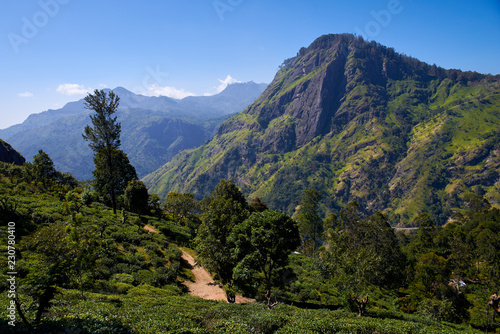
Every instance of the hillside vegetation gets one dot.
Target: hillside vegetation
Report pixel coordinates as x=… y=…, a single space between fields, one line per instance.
x=349 y=143
x=357 y=121
x=82 y=268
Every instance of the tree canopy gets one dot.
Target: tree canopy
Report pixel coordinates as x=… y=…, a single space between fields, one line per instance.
x=262 y=243
x=226 y=209
x=112 y=173
x=363 y=253
x=309 y=219
x=113 y=170
x=136 y=197
x=105 y=132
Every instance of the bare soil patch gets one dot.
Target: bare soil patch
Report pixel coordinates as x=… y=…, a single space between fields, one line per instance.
x=204 y=286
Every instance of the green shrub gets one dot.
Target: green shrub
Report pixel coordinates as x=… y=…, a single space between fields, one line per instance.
x=180 y=234
x=143 y=277
x=163 y=276
x=122 y=288
x=123 y=278
x=146 y=290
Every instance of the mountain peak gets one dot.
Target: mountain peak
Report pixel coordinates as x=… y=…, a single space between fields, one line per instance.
x=122 y=91
x=154 y=129
x=242 y=87
x=357 y=121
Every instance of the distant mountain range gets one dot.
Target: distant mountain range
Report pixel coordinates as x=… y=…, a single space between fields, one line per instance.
x=357 y=121
x=154 y=129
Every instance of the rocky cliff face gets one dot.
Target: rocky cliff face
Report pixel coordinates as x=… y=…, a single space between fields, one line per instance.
x=357 y=121
x=9 y=155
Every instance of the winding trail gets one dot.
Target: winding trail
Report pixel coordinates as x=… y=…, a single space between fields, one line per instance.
x=203 y=286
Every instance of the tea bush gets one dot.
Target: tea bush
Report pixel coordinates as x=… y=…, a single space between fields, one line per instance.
x=148 y=310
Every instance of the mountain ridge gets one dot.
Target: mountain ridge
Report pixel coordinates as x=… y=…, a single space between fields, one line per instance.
x=58 y=132
x=354 y=119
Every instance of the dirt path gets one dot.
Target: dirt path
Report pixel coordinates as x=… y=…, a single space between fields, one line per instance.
x=204 y=286
x=150 y=229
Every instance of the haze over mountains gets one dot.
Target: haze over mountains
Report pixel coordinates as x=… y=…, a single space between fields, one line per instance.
x=357 y=121
x=154 y=129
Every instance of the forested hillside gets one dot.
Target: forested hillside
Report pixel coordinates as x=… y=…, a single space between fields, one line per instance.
x=357 y=121
x=79 y=267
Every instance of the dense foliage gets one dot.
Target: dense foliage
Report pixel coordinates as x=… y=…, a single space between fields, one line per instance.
x=83 y=268
x=65 y=240
x=262 y=244
x=226 y=209
x=148 y=310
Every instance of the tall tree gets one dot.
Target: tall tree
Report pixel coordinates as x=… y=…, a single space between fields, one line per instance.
x=43 y=167
x=45 y=265
x=181 y=205
x=112 y=174
x=362 y=253
x=309 y=219
x=226 y=209
x=423 y=242
x=136 y=197
x=262 y=244
x=104 y=137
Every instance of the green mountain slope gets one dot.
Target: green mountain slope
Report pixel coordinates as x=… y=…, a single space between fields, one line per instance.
x=357 y=121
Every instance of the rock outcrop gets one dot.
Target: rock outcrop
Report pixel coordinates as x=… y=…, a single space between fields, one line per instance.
x=9 y=155
x=357 y=121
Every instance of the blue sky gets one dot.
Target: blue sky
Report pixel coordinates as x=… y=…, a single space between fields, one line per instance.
x=54 y=51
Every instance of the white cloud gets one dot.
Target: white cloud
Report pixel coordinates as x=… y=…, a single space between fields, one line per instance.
x=223 y=84
x=72 y=89
x=25 y=94
x=172 y=92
